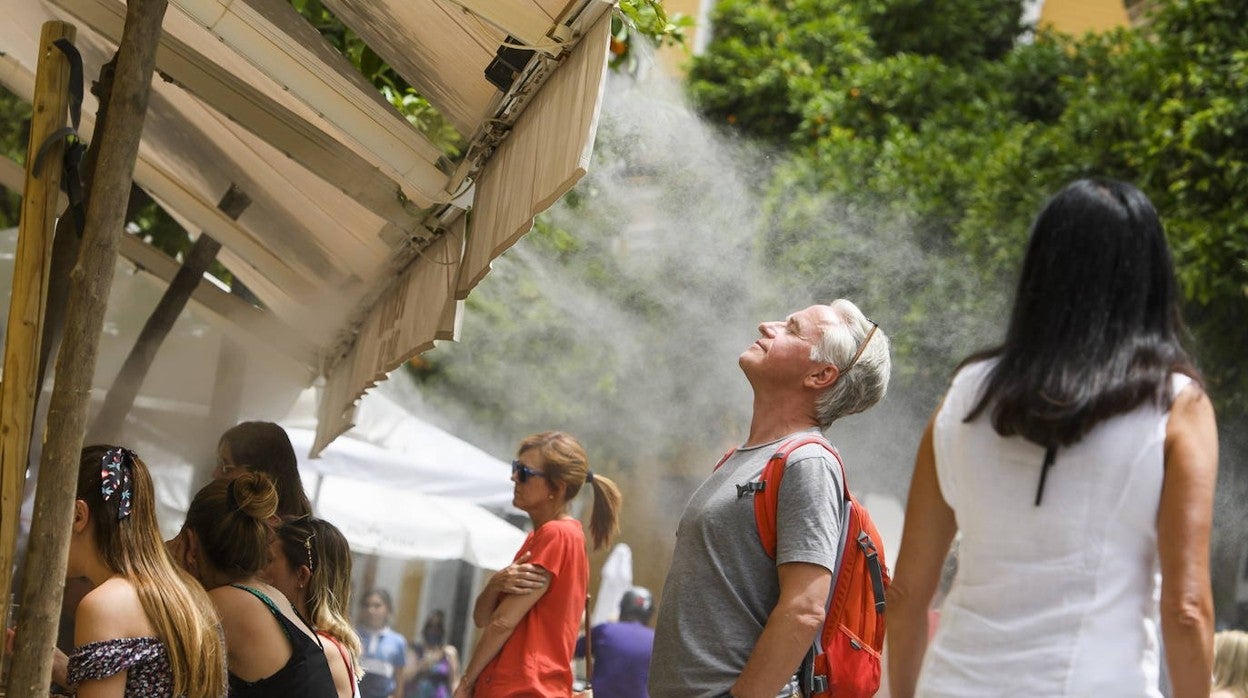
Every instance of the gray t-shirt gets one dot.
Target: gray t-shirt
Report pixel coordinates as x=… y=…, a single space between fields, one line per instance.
x=721 y=586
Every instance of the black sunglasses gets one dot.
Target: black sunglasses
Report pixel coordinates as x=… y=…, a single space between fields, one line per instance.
x=524 y=472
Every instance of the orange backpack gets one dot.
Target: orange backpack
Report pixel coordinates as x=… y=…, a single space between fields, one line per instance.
x=845 y=658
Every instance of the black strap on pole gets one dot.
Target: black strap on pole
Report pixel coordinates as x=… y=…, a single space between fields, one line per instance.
x=75 y=149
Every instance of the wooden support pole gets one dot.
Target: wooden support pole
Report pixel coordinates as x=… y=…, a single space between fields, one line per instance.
x=125 y=388
x=48 y=546
x=66 y=244
x=20 y=389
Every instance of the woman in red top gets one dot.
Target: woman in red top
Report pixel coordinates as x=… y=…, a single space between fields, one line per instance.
x=530 y=612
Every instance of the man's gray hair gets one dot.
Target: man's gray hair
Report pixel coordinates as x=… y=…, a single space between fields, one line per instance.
x=862 y=387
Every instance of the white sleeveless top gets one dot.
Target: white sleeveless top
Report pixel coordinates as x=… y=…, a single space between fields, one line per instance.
x=1059 y=599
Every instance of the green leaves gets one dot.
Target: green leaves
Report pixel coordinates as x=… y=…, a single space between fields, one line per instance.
x=644 y=20
x=932 y=115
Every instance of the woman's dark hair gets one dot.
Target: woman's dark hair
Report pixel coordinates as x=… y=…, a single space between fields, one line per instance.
x=433 y=632
x=231 y=520
x=265 y=447
x=1095 y=330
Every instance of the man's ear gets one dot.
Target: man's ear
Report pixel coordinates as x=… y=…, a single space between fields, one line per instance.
x=82 y=516
x=822 y=376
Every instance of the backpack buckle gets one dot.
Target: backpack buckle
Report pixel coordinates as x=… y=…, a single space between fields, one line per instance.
x=750 y=488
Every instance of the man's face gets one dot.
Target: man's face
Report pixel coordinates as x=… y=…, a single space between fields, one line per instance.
x=782 y=352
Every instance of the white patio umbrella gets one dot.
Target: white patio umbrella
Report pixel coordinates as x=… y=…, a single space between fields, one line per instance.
x=404 y=523
x=617 y=577
x=390 y=445
x=432 y=469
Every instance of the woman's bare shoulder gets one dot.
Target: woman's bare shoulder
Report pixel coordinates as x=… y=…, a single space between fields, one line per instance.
x=111 y=610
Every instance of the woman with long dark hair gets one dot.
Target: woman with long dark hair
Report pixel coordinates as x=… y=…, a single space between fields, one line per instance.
x=264 y=447
x=1077 y=462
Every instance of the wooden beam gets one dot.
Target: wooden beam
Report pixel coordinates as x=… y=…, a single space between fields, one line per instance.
x=176 y=196
x=120 y=397
x=13 y=178
x=234 y=315
x=48 y=545
x=20 y=390
x=282 y=128
x=392 y=142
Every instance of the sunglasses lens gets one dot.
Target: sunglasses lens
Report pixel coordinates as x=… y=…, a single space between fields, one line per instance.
x=521 y=472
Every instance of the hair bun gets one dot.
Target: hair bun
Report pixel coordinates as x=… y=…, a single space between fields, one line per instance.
x=255 y=495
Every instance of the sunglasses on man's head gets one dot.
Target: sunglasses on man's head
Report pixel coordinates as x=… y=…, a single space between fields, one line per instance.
x=524 y=472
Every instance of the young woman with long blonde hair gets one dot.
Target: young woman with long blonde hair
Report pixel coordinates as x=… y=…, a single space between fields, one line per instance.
x=311 y=566
x=147 y=628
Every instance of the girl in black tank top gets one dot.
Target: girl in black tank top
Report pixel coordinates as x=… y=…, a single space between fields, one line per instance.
x=306 y=673
x=227 y=535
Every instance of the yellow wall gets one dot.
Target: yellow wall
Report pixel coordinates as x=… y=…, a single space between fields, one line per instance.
x=1079 y=16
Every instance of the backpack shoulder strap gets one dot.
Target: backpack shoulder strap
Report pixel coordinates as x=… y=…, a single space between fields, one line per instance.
x=766 y=502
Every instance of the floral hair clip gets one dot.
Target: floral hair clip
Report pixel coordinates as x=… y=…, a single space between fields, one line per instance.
x=116 y=478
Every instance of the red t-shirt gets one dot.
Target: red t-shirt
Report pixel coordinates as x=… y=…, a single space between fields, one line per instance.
x=537 y=659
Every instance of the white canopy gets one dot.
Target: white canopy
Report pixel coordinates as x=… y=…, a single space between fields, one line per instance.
x=439 y=482
x=355 y=240
x=391 y=446
x=406 y=523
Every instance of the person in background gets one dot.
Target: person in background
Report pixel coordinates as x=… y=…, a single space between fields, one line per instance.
x=1076 y=459
x=1230 y=664
x=384 y=650
x=272 y=651
x=433 y=672
x=264 y=447
x=311 y=566
x=621 y=650
x=529 y=632
x=146 y=628
x=733 y=619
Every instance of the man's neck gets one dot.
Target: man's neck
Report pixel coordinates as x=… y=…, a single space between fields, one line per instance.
x=775 y=419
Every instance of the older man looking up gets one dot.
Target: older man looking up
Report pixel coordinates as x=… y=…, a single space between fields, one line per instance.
x=733 y=621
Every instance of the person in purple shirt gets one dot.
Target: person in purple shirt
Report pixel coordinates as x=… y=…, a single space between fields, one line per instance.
x=622 y=649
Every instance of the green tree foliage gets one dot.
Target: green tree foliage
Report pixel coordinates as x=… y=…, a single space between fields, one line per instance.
x=928 y=110
x=916 y=120
x=14 y=115
x=410 y=103
x=644 y=20
x=958 y=31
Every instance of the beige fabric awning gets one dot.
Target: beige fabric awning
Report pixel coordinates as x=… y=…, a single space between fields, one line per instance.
x=356 y=241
